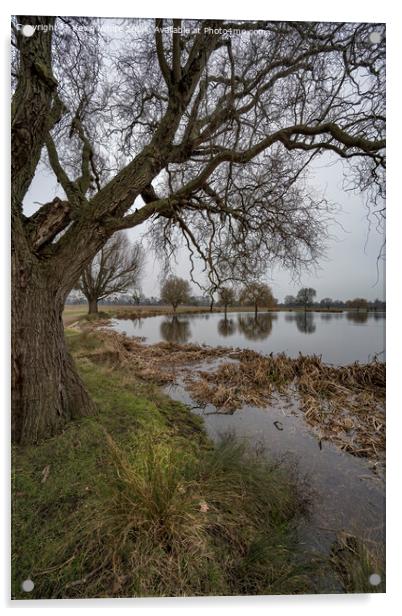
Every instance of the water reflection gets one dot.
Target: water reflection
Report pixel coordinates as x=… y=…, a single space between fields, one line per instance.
x=226 y=327
x=305 y=322
x=256 y=327
x=357 y=317
x=175 y=330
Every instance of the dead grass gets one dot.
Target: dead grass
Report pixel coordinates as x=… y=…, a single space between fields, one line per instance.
x=159 y=363
x=344 y=405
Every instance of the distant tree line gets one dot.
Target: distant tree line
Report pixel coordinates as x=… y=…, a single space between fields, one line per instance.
x=305 y=299
x=176 y=291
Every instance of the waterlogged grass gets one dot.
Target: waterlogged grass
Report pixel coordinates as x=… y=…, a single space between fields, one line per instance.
x=135 y=501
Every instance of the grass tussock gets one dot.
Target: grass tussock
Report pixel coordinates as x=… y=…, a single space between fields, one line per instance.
x=162 y=517
x=173 y=523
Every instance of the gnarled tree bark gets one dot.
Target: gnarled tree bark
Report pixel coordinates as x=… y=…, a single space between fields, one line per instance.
x=46 y=389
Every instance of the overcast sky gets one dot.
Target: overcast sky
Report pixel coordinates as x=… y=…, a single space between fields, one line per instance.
x=350 y=269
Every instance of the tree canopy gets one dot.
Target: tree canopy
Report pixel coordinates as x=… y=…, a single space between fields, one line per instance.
x=208 y=134
x=306 y=296
x=175 y=291
x=257 y=294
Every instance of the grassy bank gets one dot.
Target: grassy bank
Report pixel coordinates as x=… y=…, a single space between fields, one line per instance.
x=136 y=502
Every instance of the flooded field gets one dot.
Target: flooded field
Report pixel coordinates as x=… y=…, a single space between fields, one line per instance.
x=338 y=337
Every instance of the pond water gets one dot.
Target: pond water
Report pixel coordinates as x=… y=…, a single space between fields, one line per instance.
x=339 y=337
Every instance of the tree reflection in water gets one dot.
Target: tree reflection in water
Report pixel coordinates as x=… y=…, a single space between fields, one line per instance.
x=226 y=327
x=357 y=317
x=305 y=322
x=290 y=317
x=175 y=330
x=256 y=328
x=326 y=316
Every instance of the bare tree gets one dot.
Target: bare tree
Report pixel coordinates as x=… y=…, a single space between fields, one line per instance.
x=359 y=303
x=290 y=300
x=116 y=268
x=206 y=134
x=257 y=294
x=227 y=297
x=175 y=291
x=306 y=296
x=327 y=302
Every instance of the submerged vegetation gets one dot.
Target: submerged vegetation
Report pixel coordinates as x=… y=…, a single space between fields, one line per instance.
x=344 y=404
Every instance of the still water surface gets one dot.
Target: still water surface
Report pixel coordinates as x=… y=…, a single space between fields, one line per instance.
x=339 y=337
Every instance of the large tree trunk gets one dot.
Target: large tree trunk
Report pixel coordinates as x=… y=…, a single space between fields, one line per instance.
x=93 y=306
x=46 y=389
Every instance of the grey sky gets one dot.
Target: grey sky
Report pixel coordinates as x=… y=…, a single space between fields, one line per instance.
x=350 y=269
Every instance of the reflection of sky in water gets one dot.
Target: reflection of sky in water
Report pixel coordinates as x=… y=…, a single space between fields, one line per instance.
x=340 y=338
